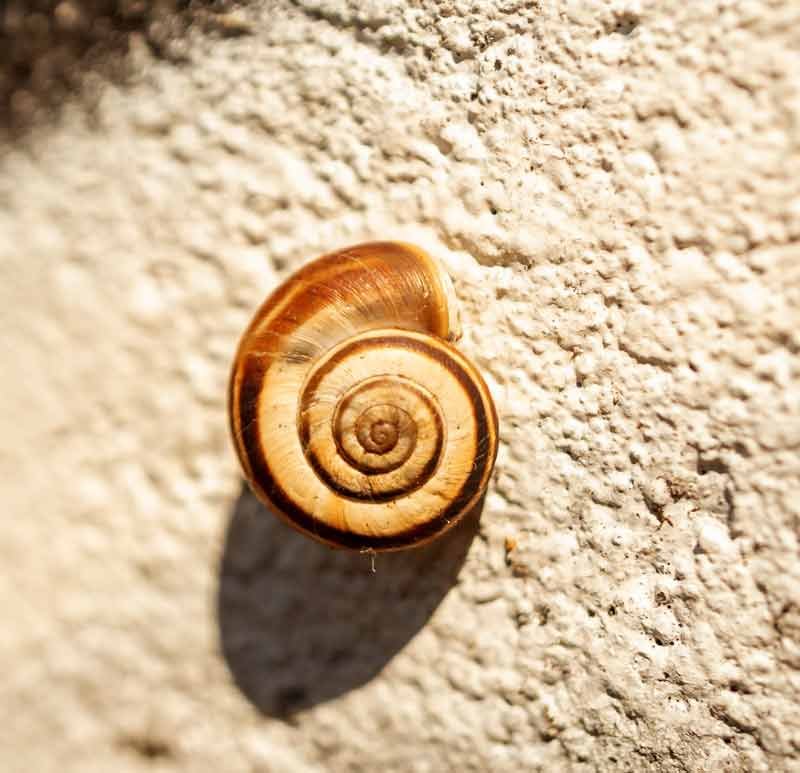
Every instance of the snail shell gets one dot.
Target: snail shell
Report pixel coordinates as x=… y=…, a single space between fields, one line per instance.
x=353 y=417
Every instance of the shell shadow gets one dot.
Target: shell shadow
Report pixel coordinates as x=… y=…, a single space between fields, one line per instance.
x=300 y=623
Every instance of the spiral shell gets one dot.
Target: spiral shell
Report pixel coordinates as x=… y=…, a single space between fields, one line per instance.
x=353 y=416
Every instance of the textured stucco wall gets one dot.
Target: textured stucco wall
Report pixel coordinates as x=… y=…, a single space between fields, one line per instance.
x=615 y=188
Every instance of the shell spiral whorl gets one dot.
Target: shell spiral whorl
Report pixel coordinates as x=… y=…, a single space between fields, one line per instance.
x=353 y=416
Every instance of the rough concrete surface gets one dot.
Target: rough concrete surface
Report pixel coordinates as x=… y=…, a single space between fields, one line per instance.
x=615 y=188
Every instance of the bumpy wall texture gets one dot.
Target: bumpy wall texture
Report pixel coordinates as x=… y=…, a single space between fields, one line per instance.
x=615 y=189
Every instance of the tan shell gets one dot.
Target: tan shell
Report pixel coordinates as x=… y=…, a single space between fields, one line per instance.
x=353 y=417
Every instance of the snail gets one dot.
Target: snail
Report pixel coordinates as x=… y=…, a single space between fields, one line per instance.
x=354 y=417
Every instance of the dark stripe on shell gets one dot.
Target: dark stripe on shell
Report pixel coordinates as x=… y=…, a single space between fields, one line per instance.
x=267 y=488
x=367 y=496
